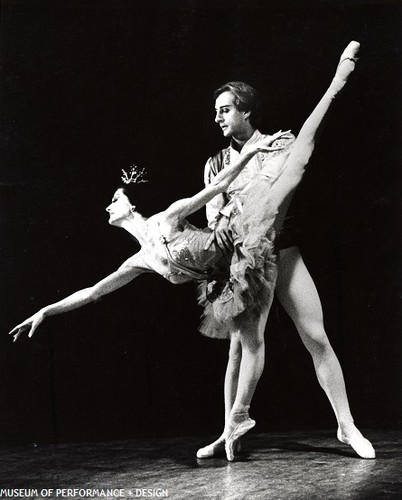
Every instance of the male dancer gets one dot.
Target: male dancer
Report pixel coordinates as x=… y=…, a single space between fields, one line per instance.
x=237 y=113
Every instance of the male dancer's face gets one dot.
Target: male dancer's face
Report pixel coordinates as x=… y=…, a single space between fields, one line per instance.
x=234 y=123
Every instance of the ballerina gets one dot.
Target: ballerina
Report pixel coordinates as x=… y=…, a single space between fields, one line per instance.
x=175 y=249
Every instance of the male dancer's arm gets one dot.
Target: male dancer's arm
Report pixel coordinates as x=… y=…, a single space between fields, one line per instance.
x=214 y=207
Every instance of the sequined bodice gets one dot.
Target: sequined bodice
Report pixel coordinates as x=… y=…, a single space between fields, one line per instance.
x=187 y=258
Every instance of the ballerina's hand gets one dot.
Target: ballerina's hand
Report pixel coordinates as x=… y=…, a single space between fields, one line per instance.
x=266 y=144
x=30 y=324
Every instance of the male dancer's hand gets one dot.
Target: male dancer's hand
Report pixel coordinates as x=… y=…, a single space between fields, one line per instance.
x=221 y=234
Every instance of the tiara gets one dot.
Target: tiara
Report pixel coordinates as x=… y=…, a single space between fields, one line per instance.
x=134 y=176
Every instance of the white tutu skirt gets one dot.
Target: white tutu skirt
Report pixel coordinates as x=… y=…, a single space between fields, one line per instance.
x=231 y=302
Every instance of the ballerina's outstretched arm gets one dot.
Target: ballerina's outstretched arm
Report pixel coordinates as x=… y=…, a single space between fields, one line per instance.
x=303 y=147
x=129 y=270
x=186 y=206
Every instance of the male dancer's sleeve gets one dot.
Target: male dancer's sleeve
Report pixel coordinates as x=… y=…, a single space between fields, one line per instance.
x=213 y=207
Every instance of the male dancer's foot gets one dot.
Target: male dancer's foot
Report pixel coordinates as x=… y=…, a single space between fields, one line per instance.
x=217 y=448
x=238 y=424
x=350 y=434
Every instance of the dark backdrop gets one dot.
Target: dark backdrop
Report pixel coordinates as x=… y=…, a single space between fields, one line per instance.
x=90 y=87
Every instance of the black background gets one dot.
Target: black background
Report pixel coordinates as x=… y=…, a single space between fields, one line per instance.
x=90 y=87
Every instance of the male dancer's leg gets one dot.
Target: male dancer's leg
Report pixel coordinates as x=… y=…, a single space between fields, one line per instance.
x=299 y=297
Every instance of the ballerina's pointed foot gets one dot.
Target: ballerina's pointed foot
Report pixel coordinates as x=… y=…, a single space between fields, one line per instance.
x=347 y=63
x=358 y=442
x=239 y=424
x=350 y=52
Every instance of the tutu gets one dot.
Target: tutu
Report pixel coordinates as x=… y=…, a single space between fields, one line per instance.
x=231 y=302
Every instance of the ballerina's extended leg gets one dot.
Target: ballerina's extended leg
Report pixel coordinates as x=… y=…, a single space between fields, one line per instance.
x=349 y=433
x=303 y=148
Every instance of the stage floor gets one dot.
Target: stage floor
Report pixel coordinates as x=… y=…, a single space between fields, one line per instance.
x=292 y=465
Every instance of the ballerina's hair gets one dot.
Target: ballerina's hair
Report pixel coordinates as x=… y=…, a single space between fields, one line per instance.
x=138 y=190
x=246 y=99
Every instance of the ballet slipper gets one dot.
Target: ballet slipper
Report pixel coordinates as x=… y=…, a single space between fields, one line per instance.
x=217 y=449
x=212 y=450
x=358 y=442
x=238 y=425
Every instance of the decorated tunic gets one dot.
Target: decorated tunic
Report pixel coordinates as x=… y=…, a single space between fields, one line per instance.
x=272 y=163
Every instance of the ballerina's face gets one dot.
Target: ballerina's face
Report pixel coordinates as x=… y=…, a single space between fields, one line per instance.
x=120 y=208
x=234 y=123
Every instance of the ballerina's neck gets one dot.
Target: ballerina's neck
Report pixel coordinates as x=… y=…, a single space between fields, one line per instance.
x=136 y=225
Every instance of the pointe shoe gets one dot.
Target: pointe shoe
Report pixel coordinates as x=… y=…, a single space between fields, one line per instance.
x=350 y=52
x=236 y=430
x=347 y=62
x=359 y=443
